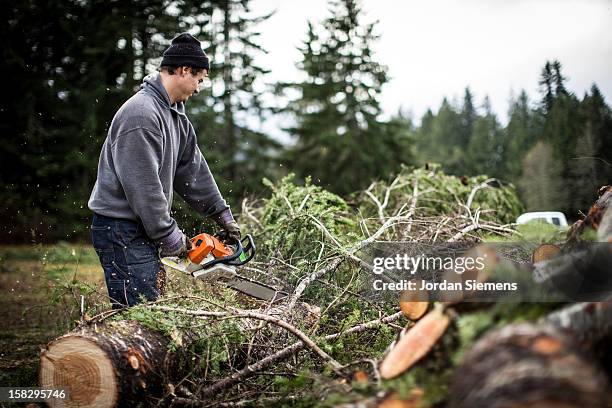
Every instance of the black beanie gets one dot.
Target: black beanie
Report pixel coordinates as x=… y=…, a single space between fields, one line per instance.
x=185 y=51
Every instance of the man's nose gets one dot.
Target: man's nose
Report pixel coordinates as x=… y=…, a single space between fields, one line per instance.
x=202 y=84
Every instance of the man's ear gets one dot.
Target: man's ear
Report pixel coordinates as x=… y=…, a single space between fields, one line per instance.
x=186 y=70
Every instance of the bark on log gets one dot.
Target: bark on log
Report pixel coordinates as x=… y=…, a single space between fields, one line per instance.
x=105 y=365
x=590 y=325
x=544 y=365
x=590 y=322
x=122 y=363
x=594 y=216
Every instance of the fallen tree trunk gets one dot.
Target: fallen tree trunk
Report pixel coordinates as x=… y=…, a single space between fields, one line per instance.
x=122 y=363
x=545 y=365
x=594 y=217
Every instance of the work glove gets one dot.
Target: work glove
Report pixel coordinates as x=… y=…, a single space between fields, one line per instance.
x=230 y=231
x=176 y=244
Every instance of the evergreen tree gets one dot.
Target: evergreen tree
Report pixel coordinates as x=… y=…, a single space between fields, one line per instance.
x=562 y=125
x=600 y=114
x=400 y=128
x=444 y=138
x=585 y=170
x=69 y=77
x=590 y=166
x=485 y=152
x=467 y=119
x=546 y=87
x=424 y=149
x=468 y=116
x=339 y=139
x=542 y=186
x=558 y=78
x=445 y=141
x=521 y=134
x=427 y=123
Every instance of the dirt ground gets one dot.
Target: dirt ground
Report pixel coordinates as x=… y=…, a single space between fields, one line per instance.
x=40 y=297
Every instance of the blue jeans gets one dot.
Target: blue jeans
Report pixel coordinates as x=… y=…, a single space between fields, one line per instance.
x=129 y=259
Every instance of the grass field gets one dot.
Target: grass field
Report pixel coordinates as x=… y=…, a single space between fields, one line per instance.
x=40 y=298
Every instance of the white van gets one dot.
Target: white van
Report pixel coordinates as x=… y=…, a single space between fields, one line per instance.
x=552 y=217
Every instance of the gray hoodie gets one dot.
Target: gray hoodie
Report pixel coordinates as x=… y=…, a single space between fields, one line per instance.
x=151 y=150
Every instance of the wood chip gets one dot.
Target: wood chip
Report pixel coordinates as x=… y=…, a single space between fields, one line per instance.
x=360 y=376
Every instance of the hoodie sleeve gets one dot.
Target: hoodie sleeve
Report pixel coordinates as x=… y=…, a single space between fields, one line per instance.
x=137 y=156
x=194 y=181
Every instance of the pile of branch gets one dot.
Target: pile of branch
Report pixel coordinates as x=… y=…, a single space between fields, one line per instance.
x=203 y=344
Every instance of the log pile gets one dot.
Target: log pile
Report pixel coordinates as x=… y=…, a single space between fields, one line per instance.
x=539 y=365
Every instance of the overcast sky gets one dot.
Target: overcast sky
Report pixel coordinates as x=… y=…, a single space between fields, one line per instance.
x=435 y=48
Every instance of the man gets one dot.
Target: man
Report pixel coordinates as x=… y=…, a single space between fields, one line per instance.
x=150 y=151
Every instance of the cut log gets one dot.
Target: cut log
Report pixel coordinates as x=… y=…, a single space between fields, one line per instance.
x=604 y=232
x=545 y=365
x=579 y=275
x=414 y=400
x=415 y=344
x=544 y=252
x=105 y=365
x=414 y=303
x=527 y=365
x=413 y=310
x=481 y=261
x=581 y=270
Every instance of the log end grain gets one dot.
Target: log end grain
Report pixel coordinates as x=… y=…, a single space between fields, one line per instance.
x=82 y=367
x=414 y=400
x=414 y=303
x=544 y=252
x=413 y=310
x=415 y=344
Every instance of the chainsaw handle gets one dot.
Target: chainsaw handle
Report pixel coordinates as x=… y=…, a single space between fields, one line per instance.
x=248 y=249
x=231 y=259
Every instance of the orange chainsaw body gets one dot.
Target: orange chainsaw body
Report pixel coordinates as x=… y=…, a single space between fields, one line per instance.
x=203 y=244
x=210 y=260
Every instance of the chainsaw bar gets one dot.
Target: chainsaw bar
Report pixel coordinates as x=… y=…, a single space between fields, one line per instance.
x=226 y=275
x=255 y=289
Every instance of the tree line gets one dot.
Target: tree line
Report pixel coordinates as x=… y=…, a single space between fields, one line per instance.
x=555 y=149
x=70 y=65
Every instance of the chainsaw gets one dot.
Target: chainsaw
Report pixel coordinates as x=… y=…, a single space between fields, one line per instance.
x=210 y=260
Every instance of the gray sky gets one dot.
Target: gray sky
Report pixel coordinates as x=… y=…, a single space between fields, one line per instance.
x=436 y=48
